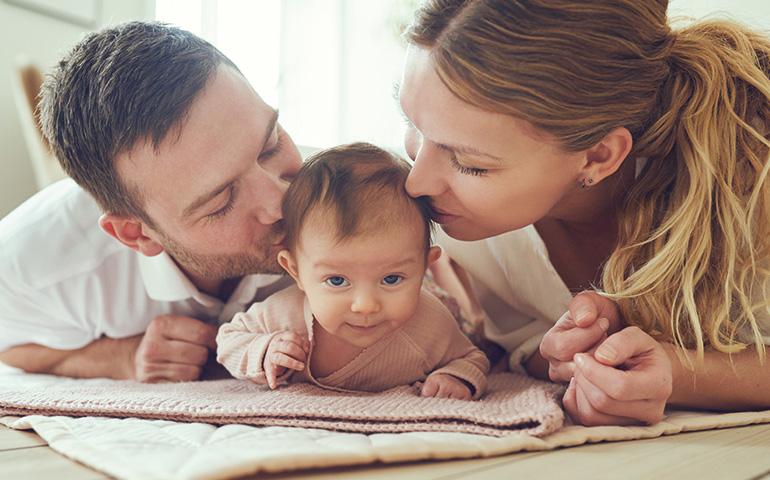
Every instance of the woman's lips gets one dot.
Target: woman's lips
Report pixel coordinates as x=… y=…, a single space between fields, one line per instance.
x=441 y=217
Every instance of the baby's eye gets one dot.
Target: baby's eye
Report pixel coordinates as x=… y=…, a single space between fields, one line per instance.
x=336 y=281
x=392 y=279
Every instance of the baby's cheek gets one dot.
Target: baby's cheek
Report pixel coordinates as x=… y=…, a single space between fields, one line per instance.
x=406 y=310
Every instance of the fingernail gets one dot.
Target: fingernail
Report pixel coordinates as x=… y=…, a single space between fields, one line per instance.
x=606 y=352
x=571 y=383
x=604 y=324
x=580 y=360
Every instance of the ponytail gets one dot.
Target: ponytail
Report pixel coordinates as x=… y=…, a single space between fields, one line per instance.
x=695 y=229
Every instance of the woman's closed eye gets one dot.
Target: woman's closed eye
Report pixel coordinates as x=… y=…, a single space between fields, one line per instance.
x=462 y=168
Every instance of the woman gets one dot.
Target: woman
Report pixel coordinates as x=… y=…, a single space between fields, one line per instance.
x=586 y=145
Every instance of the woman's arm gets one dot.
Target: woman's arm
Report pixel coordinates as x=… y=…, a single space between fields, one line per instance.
x=721 y=382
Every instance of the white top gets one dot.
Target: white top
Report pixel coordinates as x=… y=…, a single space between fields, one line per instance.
x=65 y=283
x=520 y=291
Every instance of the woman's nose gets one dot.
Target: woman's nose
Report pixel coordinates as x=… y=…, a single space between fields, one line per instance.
x=426 y=179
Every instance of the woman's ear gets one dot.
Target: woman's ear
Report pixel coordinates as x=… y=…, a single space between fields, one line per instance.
x=287 y=262
x=434 y=253
x=130 y=232
x=607 y=156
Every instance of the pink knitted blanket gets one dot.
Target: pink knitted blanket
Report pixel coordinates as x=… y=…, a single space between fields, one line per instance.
x=513 y=404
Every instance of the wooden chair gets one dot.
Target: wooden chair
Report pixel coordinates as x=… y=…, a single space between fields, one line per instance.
x=26 y=82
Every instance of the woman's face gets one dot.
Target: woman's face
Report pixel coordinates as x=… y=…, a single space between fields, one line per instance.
x=486 y=173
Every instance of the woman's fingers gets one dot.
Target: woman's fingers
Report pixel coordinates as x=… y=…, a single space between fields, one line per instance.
x=561 y=372
x=584 y=308
x=589 y=415
x=569 y=402
x=637 y=411
x=562 y=344
x=648 y=382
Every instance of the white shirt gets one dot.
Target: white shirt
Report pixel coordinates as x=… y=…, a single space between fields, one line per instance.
x=519 y=289
x=65 y=283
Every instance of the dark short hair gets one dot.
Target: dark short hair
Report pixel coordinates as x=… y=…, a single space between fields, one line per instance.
x=123 y=85
x=362 y=185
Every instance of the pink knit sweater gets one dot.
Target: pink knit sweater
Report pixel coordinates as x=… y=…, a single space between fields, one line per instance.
x=429 y=342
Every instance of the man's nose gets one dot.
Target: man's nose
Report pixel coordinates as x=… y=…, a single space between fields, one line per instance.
x=266 y=194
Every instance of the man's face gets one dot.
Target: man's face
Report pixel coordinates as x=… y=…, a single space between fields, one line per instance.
x=214 y=186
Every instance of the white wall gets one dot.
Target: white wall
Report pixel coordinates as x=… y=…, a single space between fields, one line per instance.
x=753 y=12
x=42 y=40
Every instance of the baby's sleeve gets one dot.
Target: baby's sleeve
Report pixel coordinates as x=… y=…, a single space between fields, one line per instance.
x=460 y=357
x=242 y=344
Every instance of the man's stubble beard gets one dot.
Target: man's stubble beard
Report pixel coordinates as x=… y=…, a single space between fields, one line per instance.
x=225 y=266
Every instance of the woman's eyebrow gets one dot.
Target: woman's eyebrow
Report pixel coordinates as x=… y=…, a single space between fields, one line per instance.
x=455 y=148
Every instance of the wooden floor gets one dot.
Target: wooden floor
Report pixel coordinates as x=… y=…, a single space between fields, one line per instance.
x=736 y=453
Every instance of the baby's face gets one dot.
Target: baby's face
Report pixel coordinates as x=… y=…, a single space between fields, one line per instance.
x=367 y=286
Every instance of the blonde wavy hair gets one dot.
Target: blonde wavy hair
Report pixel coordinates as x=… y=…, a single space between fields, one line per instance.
x=691 y=265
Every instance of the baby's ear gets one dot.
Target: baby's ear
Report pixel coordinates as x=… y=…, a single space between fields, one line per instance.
x=433 y=254
x=287 y=262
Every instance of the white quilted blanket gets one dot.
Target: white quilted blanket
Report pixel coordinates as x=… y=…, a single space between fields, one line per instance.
x=158 y=449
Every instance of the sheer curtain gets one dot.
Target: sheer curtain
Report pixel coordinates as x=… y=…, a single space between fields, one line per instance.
x=329 y=66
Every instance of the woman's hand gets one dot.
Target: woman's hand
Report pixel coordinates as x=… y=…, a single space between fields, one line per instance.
x=589 y=319
x=626 y=381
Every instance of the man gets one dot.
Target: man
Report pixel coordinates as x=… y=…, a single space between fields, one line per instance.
x=187 y=166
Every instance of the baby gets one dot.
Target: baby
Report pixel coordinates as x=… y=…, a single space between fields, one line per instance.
x=358 y=318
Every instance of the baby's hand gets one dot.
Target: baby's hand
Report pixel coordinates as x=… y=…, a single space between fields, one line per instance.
x=286 y=350
x=442 y=385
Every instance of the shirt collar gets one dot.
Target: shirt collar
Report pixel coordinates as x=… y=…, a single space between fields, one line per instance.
x=165 y=282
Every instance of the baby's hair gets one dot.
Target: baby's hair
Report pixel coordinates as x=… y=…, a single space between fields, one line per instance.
x=360 y=186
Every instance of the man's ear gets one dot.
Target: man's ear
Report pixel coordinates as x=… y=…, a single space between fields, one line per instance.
x=433 y=254
x=130 y=232
x=606 y=157
x=287 y=262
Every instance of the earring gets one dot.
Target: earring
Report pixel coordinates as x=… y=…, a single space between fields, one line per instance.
x=586 y=183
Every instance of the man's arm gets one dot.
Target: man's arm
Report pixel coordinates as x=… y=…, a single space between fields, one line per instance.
x=174 y=348
x=721 y=382
x=105 y=357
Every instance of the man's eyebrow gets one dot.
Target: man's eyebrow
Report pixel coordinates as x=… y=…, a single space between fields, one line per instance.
x=208 y=196
x=269 y=129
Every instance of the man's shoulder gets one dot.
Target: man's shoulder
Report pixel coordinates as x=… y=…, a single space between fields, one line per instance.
x=54 y=236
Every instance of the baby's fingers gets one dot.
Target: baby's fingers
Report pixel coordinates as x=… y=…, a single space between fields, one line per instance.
x=293 y=338
x=283 y=360
x=430 y=388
